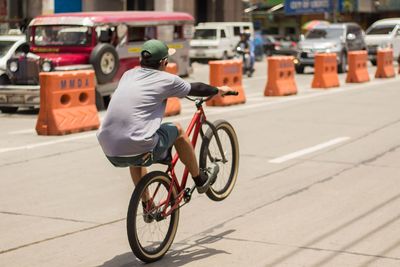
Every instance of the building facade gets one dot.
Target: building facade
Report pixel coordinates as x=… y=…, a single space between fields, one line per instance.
x=14 y=13
x=270 y=15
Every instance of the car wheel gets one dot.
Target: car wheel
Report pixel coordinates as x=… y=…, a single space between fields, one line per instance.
x=373 y=62
x=299 y=69
x=4 y=80
x=105 y=62
x=343 y=63
x=8 y=109
x=100 y=101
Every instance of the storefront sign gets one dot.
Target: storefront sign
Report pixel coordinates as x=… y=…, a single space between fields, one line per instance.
x=295 y=7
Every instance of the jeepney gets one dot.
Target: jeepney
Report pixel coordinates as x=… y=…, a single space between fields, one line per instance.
x=108 y=42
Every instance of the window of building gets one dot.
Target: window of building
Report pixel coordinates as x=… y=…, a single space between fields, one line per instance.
x=223 y=34
x=236 y=31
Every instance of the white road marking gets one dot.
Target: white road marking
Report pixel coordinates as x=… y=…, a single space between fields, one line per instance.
x=230 y=109
x=309 y=150
x=23 y=131
x=36 y=145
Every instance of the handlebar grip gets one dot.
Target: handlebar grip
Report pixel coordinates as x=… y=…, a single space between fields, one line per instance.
x=231 y=93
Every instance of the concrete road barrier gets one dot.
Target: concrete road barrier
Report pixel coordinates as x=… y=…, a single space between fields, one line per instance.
x=357 y=72
x=173 y=103
x=227 y=72
x=384 y=64
x=67 y=103
x=280 y=73
x=325 y=71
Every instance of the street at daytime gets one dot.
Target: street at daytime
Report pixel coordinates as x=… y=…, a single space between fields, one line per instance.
x=199 y=133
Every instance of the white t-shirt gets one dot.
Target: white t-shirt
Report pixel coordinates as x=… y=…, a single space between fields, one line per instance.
x=136 y=110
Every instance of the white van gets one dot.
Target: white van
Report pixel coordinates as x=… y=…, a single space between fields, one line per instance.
x=217 y=40
x=383 y=33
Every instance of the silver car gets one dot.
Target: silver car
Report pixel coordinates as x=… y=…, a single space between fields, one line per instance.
x=338 y=38
x=9 y=44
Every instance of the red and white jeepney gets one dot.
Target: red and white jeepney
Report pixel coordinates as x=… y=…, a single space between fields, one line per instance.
x=108 y=42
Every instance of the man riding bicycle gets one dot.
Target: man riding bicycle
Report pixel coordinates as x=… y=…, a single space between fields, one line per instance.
x=132 y=135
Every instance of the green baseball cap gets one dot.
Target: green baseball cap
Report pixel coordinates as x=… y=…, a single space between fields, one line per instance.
x=155 y=50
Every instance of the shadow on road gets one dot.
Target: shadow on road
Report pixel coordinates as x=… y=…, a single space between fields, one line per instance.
x=23 y=111
x=186 y=253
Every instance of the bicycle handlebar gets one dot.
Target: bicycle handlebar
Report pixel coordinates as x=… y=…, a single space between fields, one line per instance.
x=209 y=97
x=231 y=93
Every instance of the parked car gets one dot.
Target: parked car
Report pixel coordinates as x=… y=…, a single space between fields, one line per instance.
x=383 y=33
x=279 y=45
x=339 y=38
x=217 y=40
x=9 y=45
x=269 y=44
x=285 y=46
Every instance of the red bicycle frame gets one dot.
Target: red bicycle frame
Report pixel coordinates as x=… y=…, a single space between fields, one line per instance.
x=194 y=127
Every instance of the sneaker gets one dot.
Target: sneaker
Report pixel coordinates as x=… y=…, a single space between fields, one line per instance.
x=203 y=185
x=148 y=216
x=208 y=176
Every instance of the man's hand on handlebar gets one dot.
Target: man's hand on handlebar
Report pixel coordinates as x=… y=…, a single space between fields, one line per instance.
x=226 y=90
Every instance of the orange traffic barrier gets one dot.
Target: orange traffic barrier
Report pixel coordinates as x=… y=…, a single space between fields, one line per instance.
x=280 y=76
x=229 y=73
x=173 y=103
x=325 y=71
x=67 y=103
x=357 y=62
x=384 y=62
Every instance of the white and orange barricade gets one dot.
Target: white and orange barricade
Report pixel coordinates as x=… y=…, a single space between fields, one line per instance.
x=384 y=64
x=280 y=75
x=67 y=103
x=325 y=71
x=173 y=103
x=229 y=73
x=357 y=62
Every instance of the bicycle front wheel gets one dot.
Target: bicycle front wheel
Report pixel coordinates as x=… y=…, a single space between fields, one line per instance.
x=150 y=234
x=221 y=150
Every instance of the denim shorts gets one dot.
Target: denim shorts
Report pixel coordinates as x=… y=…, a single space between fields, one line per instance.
x=161 y=153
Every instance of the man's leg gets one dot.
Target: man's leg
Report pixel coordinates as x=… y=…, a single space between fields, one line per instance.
x=136 y=174
x=188 y=157
x=186 y=152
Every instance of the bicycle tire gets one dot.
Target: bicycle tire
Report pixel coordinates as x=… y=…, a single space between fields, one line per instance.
x=209 y=146
x=133 y=219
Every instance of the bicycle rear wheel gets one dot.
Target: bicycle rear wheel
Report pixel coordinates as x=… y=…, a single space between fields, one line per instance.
x=212 y=154
x=149 y=233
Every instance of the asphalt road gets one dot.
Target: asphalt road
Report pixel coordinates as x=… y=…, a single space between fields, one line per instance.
x=317 y=186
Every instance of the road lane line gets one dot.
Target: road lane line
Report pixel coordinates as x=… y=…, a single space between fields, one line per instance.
x=309 y=150
x=23 y=131
x=31 y=146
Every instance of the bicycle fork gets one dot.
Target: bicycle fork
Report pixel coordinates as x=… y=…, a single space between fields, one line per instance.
x=218 y=140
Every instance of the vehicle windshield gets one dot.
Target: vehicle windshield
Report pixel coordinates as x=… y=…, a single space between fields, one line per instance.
x=62 y=35
x=324 y=34
x=5 y=46
x=206 y=34
x=381 y=29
